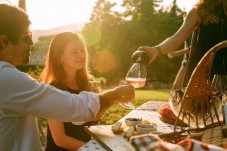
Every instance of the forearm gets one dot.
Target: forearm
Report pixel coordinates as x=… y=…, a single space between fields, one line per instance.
x=170 y=44
x=178 y=53
x=123 y=93
x=107 y=99
x=184 y=32
x=166 y=46
x=60 y=138
x=69 y=143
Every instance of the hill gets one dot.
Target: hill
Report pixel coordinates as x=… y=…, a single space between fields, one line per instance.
x=38 y=57
x=76 y=27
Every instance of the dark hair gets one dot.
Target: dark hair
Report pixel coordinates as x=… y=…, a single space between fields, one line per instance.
x=13 y=22
x=209 y=10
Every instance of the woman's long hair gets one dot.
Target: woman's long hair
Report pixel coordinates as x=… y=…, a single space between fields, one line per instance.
x=210 y=10
x=54 y=72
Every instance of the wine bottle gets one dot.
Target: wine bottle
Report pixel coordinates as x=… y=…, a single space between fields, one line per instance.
x=141 y=57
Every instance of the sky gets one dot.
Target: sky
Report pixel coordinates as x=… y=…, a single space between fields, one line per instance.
x=47 y=14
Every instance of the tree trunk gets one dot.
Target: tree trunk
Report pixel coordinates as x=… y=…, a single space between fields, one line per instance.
x=22 y=4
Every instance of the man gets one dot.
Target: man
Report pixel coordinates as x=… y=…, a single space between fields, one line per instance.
x=22 y=98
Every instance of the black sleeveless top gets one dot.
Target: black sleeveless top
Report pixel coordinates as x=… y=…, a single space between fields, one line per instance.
x=75 y=131
x=203 y=39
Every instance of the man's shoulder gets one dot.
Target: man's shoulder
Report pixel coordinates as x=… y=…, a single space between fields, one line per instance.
x=6 y=68
x=9 y=72
x=3 y=63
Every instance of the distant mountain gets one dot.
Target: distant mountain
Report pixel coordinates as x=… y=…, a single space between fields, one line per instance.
x=76 y=27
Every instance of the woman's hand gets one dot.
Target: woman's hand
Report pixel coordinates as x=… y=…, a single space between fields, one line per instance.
x=153 y=52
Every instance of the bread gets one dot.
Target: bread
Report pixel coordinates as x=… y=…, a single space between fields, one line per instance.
x=117 y=127
x=129 y=132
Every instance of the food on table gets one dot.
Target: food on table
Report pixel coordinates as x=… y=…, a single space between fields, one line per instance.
x=131 y=122
x=146 y=128
x=117 y=127
x=129 y=132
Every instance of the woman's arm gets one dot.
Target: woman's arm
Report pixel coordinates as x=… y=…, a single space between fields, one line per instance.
x=175 y=41
x=60 y=138
x=177 y=53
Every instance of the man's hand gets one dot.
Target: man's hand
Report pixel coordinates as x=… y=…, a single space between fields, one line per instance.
x=124 y=93
x=120 y=94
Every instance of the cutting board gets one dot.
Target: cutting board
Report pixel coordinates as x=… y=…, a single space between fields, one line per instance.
x=110 y=141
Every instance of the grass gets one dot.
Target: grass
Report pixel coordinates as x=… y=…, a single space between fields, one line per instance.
x=116 y=112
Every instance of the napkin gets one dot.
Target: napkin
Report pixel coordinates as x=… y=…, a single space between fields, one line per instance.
x=151 y=142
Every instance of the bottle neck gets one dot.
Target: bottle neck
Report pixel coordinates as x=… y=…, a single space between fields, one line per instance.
x=140 y=57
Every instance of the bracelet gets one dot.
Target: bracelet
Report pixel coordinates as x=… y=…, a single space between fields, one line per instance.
x=159 y=50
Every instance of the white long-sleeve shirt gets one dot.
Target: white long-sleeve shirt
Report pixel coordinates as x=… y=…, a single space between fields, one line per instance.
x=22 y=99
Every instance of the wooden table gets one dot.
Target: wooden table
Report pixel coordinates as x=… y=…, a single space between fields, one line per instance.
x=105 y=139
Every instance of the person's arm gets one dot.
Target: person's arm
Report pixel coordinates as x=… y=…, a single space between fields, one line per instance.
x=122 y=93
x=177 y=53
x=107 y=99
x=172 y=43
x=60 y=138
x=24 y=95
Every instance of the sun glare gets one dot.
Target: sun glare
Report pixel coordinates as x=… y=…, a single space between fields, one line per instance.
x=51 y=13
x=183 y=4
x=46 y=14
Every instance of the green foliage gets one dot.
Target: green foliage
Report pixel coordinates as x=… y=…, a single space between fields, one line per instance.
x=116 y=112
x=143 y=96
x=141 y=23
x=43 y=43
x=42 y=122
x=33 y=70
x=102 y=80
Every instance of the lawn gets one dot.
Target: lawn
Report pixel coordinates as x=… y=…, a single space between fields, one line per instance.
x=116 y=112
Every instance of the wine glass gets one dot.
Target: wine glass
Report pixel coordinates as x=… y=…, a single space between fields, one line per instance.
x=136 y=76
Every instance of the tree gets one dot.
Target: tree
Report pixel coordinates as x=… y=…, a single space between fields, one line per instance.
x=142 y=23
x=22 y=4
x=175 y=10
x=101 y=33
x=142 y=10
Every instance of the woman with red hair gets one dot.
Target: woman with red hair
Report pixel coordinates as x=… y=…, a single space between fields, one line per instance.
x=67 y=69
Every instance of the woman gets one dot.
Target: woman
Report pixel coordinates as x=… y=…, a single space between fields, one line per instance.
x=207 y=20
x=67 y=69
